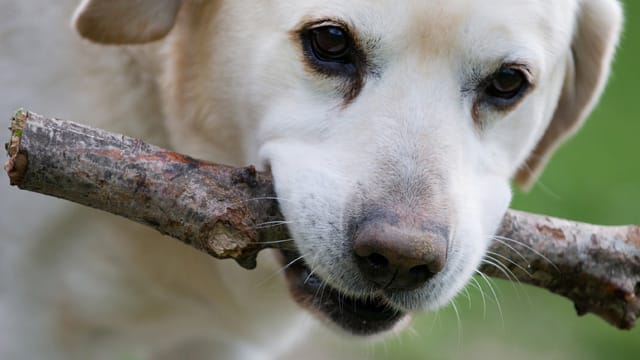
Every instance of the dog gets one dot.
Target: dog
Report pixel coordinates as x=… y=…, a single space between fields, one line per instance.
x=393 y=131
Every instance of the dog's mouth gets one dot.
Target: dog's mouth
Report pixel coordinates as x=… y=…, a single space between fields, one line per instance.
x=358 y=316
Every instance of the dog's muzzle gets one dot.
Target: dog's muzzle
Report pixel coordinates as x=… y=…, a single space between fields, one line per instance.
x=393 y=256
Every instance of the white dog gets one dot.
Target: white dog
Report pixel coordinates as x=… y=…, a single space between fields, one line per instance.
x=393 y=129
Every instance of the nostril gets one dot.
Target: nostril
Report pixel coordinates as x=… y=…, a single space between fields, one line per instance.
x=376 y=268
x=421 y=272
x=377 y=261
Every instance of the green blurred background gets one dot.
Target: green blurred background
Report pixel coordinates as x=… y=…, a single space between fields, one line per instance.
x=595 y=177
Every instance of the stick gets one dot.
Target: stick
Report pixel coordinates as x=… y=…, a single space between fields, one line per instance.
x=216 y=209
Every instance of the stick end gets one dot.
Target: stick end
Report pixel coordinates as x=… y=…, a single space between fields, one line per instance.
x=16 y=166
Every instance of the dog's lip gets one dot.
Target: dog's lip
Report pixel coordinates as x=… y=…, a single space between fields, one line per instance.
x=358 y=316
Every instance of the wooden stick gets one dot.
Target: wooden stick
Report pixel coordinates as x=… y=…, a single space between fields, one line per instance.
x=215 y=208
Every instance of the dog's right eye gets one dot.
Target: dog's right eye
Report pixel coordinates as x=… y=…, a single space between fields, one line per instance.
x=330 y=49
x=330 y=43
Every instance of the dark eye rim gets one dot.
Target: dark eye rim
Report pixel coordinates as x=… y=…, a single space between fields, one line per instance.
x=347 y=66
x=505 y=100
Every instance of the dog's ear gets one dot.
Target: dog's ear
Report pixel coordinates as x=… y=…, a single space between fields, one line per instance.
x=125 y=21
x=595 y=39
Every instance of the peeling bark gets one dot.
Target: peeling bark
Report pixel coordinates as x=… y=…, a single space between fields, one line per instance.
x=597 y=267
x=217 y=208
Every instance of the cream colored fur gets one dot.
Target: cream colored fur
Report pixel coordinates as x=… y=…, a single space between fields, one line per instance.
x=227 y=84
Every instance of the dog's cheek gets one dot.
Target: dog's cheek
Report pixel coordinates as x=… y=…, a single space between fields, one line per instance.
x=312 y=194
x=479 y=222
x=478 y=214
x=495 y=199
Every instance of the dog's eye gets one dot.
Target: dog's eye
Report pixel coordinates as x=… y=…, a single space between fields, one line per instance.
x=330 y=43
x=330 y=50
x=506 y=86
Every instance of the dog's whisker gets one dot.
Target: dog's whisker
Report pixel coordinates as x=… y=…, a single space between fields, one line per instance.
x=513 y=279
x=276 y=198
x=274 y=222
x=510 y=247
x=495 y=254
x=341 y=302
x=280 y=271
x=509 y=275
x=271 y=224
x=501 y=267
x=399 y=339
x=320 y=290
x=493 y=291
x=273 y=242
x=487 y=260
x=262 y=198
x=476 y=284
x=454 y=306
x=312 y=270
x=412 y=332
x=311 y=273
x=292 y=262
x=266 y=225
x=385 y=345
x=544 y=187
x=530 y=248
x=467 y=295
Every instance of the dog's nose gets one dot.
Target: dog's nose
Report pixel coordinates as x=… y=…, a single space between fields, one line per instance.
x=398 y=258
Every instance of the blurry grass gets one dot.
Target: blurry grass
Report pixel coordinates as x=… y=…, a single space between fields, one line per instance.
x=130 y=357
x=595 y=177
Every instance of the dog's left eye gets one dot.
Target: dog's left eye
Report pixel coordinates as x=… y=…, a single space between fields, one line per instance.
x=330 y=43
x=506 y=86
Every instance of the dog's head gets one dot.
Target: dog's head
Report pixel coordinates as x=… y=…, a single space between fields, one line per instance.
x=392 y=129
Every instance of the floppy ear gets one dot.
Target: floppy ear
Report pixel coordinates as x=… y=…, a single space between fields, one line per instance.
x=125 y=21
x=596 y=36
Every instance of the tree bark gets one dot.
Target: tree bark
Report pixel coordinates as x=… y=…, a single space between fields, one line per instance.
x=219 y=210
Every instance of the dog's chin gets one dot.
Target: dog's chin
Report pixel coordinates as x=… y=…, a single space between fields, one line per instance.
x=358 y=316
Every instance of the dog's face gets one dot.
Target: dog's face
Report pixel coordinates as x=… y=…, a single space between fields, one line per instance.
x=392 y=129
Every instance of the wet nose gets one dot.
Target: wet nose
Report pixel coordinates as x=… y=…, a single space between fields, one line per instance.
x=398 y=258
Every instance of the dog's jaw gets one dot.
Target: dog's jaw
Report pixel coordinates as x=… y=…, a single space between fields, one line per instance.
x=355 y=315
